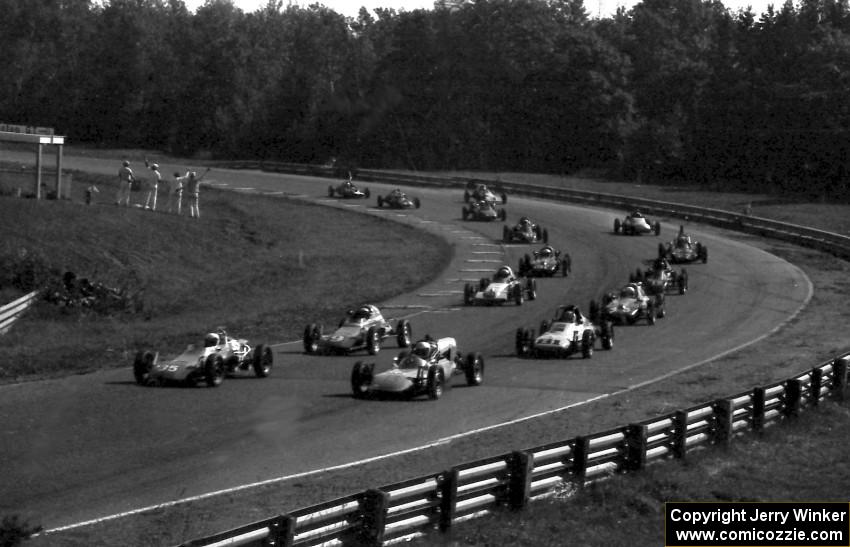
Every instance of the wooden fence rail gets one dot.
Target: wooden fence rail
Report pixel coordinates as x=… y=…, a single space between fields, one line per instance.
x=12 y=311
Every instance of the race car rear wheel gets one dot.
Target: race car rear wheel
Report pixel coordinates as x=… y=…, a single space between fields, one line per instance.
x=214 y=370
x=657 y=228
x=312 y=335
x=380 y=202
x=683 y=281
x=417 y=203
x=518 y=294
x=366 y=192
x=142 y=366
x=263 y=360
x=330 y=191
x=531 y=285
x=435 y=382
x=373 y=341
x=587 y=344
x=607 y=335
x=474 y=369
x=503 y=215
x=468 y=294
x=361 y=379
x=464 y=214
x=506 y=234
x=403 y=336
x=523 y=342
x=616 y=225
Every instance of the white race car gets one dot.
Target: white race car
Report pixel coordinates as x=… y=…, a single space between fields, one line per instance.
x=426 y=369
x=636 y=224
x=362 y=328
x=568 y=333
x=504 y=287
x=220 y=356
x=630 y=304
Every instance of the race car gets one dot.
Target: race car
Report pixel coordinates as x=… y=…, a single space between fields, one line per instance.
x=683 y=249
x=483 y=210
x=361 y=328
x=629 y=305
x=398 y=200
x=219 y=356
x=661 y=278
x=348 y=190
x=525 y=231
x=425 y=369
x=636 y=224
x=503 y=287
x=480 y=192
x=568 y=333
x=545 y=262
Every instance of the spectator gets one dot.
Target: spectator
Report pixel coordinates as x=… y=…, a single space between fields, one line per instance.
x=175 y=192
x=153 y=188
x=125 y=184
x=90 y=191
x=193 y=185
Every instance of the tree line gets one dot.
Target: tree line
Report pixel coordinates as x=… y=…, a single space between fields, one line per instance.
x=669 y=90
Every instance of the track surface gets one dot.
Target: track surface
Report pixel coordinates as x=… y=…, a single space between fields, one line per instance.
x=90 y=446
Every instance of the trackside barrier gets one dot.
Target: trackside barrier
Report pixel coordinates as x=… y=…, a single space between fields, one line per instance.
x=12 y=311
x=398 y=512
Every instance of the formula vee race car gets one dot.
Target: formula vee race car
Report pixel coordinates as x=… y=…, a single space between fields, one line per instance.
x=483 y=210
x=219 y=356
x=629 y=305
x=425 y=369
x=361 y=328
x=545 y=262
x=636 y=224
x=480 y=192
x=525 y=231
x=398 y=200
x=568 y=333
x=683 y=249
x=503 y=287
x=661 y=278
x=348 y=190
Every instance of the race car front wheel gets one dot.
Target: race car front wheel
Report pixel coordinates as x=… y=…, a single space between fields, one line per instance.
x=142 y=365
x=263 y=359
x=435 y=382
x=474 y=369
x=214 y=370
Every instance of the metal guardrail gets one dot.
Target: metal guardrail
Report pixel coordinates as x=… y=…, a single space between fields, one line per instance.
x=397 y=512
x=12 y=311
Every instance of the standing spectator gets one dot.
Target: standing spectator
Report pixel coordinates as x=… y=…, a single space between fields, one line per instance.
x=125 y=184
x=193 y=186
x=175 y=192
x=153 y=189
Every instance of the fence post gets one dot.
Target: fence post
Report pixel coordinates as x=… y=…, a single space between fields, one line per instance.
x=722 y=422
x=373 y=516
x=580 y=450
x=815 y=385
x=520 y=467
x=635 y=447
x=839 y=378
x=793 y=393
x=680 y=434
x=758 y=409
x=282 y=531
x=448 y=498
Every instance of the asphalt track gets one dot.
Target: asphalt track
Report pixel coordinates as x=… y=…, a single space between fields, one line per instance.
x=91 y=446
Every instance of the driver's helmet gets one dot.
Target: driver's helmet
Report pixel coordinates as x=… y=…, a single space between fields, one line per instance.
x=546 y=252
x=524 y=221
x=568 y=316
x=503 y=273
x=211 y=340
x=682 y=241
x=481 y=188
x=422 y=349
x=637 y=214
x=397 y=192
x=661 y=264
x=362 y=313
x=628 y=292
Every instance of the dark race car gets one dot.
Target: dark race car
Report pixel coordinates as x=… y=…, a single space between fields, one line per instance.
x=661 y=278
x=483 y=210
x=348 y=190
x=480 y=192
x=636 y=224
x=398 y=200
x=569 y=332
x=629 y=305
x=525 y=231
x=545 y=262
x=362 y=328
x=683 y=249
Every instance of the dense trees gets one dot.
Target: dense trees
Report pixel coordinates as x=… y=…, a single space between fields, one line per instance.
x=669 y=90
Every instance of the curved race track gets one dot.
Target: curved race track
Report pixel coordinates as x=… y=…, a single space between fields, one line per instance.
x=90 y=446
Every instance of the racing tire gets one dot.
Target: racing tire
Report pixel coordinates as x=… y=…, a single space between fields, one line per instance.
x=683 y=282
x=468 y=294
x=503 y=215
x=531 y=285
x=380 y=202
x=312 y=335
x=545 y=235
x=474 y=369
x=661 y=307
x=330 y=191
x=504 y=198
x=538 y=233
x=544 y=326
x=466 y=196
x=142 y=366
x=506 y=234
x=651 y=314
x=703 y=253
x=607 y=335
x=594 y=311
x=404 y=333
x=214 y=370
x=361 y=379
x=656 y=228
x=464 y=214
x=617 y=226
x=587 y=344
x=373 y=341
x=483 y=283
x=263 y=361
x=417 y=203
x=435 y=381
x=662 y=251
x=521 y=342
x=366 y=192
x=518 y=295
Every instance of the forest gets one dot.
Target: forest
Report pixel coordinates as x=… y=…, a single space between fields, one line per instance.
x=667 y=91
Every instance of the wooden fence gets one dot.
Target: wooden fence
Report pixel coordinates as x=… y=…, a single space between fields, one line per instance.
x=10 y=312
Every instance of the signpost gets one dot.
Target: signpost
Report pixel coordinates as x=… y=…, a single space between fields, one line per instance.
x=39 y=136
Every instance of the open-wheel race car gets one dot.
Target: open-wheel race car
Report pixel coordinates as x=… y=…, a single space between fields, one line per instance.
x=348 y=189
x=219 y=356
x=503 y=287
x=568 y=333
x=483 y=210
x=661 y=278
x=361 y=328
x=635 y=224
x=630 y=305
x=398 y=200
x=683 y=249
x=480 y=192
x=425 y=369
x=545 y=262
x=525 y=231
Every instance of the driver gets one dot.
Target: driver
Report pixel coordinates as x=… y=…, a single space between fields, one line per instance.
x=546 y=252
x=628 y=292
x=362 y=313
x=503 y=274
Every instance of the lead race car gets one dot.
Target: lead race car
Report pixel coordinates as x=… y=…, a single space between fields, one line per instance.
x=361 y=328
x=483 y=210
x=348 y=190
x=398 y=200
x=569 y=332
x=503 y=287
x=545 y=262
x=525 y=231
x=219 y=356
x=425 y=369
x=683 y=249
x=629 y=305
x=480 y=192
x=635 y=224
